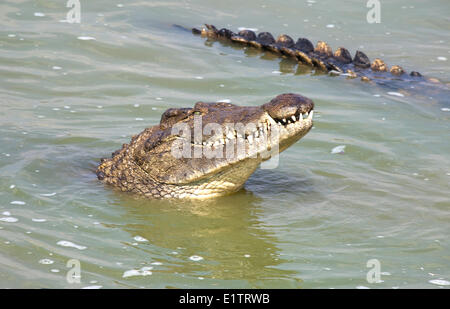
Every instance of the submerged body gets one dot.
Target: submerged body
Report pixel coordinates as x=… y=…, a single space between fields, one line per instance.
x=182 y=157
x=322 y=59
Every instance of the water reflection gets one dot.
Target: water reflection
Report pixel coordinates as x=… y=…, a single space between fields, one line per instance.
x=226 y=232
x=433 y=91
x=286 y=65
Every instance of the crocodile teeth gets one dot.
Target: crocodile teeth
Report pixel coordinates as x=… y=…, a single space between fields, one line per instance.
x=250 y=139
x=293 y=118
x=300 y=117
x=284 y=120
x=306 y=115
x=311 y=115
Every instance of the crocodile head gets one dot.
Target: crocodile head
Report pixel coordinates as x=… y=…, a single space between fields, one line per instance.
x=208 y=150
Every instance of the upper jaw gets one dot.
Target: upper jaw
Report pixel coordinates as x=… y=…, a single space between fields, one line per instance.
x=263 y=134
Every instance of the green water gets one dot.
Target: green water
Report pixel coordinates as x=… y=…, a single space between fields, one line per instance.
x=313 y=222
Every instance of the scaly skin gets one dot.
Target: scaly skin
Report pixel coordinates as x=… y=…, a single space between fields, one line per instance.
x=320 y=57
x=148 y=167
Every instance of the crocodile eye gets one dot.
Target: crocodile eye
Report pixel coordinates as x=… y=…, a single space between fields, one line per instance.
x=197 y=113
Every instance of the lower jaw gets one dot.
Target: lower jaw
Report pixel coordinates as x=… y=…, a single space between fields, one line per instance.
x=223 y=183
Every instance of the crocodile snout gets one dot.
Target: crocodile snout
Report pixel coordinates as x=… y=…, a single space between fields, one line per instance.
x=287 y=105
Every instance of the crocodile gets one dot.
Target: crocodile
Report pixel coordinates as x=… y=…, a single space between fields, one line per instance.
x=322 y=60
x=319 y=57
x=182 y=158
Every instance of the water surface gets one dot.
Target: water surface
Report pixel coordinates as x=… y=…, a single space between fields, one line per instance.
x=73 y=93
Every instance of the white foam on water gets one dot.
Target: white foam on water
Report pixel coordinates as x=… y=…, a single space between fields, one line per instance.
x=156 y=263
x=46 y=261
x=86 y=38
x=39 y=14
x=139 y=119
x=54 y=270
x=39 y=220
x=439 y=282
x=12 y=186
x=362 y=287
x=330 y=26
x=199 y=77
x=247 y=255
x=196 y=258
x=144 y=271
x=11 y=35
x=338 y=149
x=276 y=72
x=65 y=243
x=396 y=94
x=48 y=194
x=9 y=219
x=131 y=273
x=246 y=28
x=120 y=5
x=140 y=239
x=6 y=213
x=92 y=287
x=442 y=58
x=224 y=101
x=18 y=203
x=445 y=109
x=55 y=67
